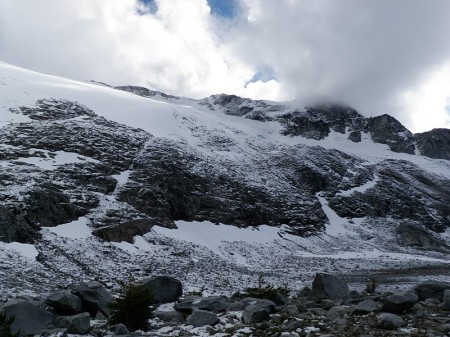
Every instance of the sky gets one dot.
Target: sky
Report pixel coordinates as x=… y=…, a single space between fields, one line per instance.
x=383 y=56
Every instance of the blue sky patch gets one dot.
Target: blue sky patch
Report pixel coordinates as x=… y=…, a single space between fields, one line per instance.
x=151 y=6
x=264 y=73
x=223 y=8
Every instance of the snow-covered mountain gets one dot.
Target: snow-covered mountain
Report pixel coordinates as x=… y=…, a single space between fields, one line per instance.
x=100 y=182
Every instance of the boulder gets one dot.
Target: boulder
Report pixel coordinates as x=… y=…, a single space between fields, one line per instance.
x=165 y=289
x=255 y=314
x=94 y=297
x=366 y=307
x=267 y=305
x=202 y=318
x=388 y=321
x=327 y=286
x=446 y=300
x=398 y=303
x=77 y=324
x=336 y=312
x=28 y=319
x=212 y=303
x=120 y=329
x=431 y=289
x=65 y=302
x=169 y=316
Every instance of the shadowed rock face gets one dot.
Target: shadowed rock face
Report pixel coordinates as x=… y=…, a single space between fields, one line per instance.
x=169 y=180
x=434 y=143
x=387 y=130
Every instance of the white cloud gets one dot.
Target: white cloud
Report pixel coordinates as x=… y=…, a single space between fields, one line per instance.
x=381 y=56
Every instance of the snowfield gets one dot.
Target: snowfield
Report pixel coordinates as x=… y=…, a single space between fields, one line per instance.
x=225 y=258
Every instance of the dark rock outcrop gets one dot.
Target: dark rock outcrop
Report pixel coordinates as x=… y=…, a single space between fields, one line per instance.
x=65 y=302
x=387 y=130
x=431 y=289
x=255 y=314
x=164 y=289
x=327 y=286
x=201 y=318
x=434 y=143
x=398 y=303
x=28 y=319
x=94 y=297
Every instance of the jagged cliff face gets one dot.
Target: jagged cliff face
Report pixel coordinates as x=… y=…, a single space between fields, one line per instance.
x=127 y=159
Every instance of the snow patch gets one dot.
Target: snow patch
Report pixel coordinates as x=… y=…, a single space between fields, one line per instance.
x=77 y=229
x=52 y=160
x=361 y=189
x=27 y=250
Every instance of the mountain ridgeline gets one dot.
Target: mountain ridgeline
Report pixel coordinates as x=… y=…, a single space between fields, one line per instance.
x=126 y=180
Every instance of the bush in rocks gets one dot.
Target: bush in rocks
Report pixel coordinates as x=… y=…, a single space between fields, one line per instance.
x=133 y=307
x=266 y=291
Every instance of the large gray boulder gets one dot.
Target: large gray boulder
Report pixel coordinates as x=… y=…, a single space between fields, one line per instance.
x=164 y=289
x=211 y=303
x=28 y=319
x=388 y=321
x=267 y=305
x=431 y=289
x=169 y=316
x=327 y=286
x=398 y=303
x=255 y=314
x=94 y=297
x=77 y=324
x=201 y=318
x=366 y=307
x=65 y=302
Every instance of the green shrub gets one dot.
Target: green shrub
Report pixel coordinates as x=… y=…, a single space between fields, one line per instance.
x=132 y=307
x=5 y=325
x=371 y=287
x=265 y=291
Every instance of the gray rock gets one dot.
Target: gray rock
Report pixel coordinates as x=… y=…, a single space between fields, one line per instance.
x=336 y=312
x=388 y=321
x=120 y=329
x=386 y=129
x=327 y=304
x=267 y=305
x=434 y=143
x=293 y=325
x=76 y=324
x=169 y=316
x=28 y=319
x=65 y=302
x=202 y=318
x=94 y=297
x=355 y=136
x=366 y=307
x=446 y=300
x=211 y=303
x=327 y=286
x=398 y=303
x=255 y=314
x=165 y=289
x=291 y=310
x=431 y=289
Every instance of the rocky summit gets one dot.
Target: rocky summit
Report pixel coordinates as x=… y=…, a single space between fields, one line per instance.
x=100 y=182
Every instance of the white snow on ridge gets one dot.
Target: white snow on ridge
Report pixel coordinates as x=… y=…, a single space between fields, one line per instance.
x=53 y=160
x=77 y=229
x=25 y=249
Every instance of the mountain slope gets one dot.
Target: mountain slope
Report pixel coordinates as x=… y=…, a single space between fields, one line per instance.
x=90 y=172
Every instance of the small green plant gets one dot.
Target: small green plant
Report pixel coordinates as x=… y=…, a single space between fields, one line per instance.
x=265 y=290
x=371 y=287
x=132 y=307
x=5 y=325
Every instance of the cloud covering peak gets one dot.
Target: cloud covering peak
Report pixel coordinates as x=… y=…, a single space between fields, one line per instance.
x=380 y=56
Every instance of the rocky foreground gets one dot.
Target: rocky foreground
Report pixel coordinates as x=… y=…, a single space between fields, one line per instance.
x=328 y=308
